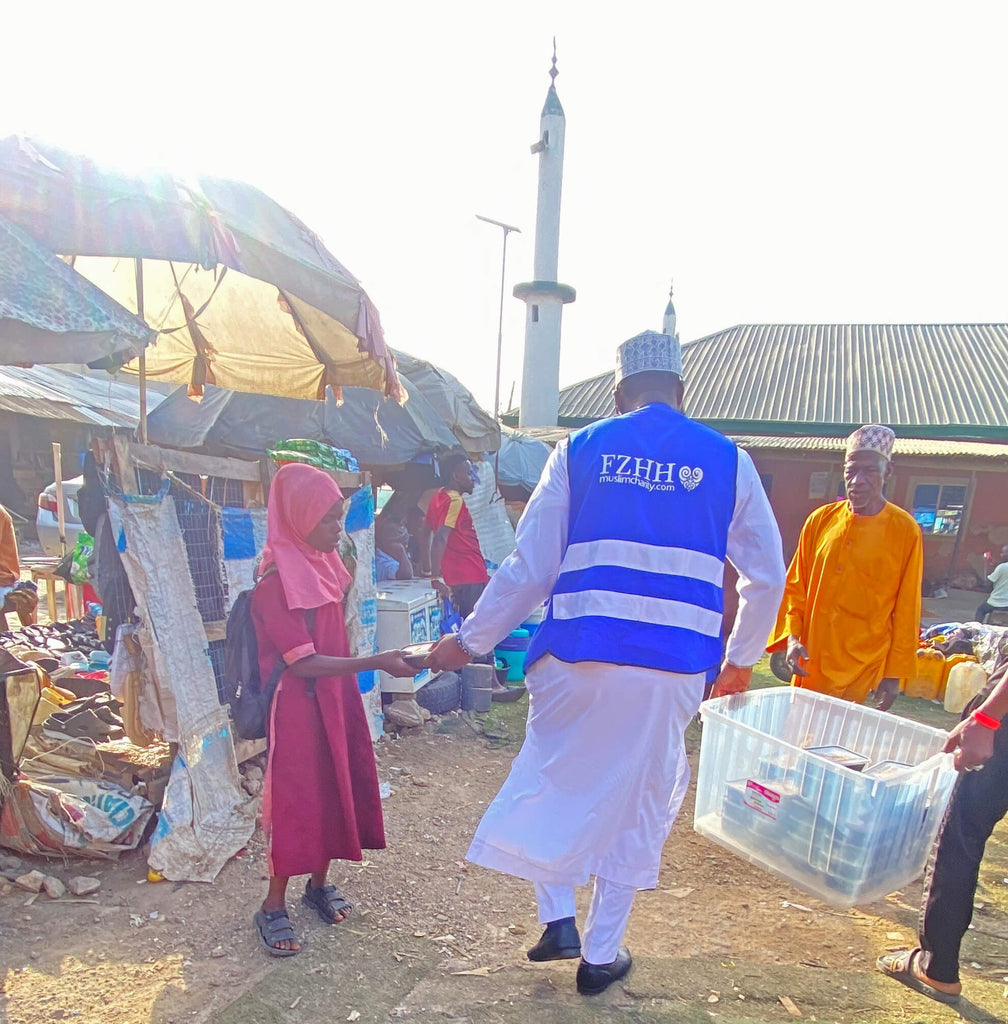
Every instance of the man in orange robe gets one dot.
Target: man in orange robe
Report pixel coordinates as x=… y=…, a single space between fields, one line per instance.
x=850 y=616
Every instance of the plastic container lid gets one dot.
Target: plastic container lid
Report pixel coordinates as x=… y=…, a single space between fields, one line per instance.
x=519 y=633
x=841 y=755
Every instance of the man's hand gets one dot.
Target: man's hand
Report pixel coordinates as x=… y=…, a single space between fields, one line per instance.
x=731 y=679
x=447 y=655
x=885 y=694
x=972 y=745
x=440 y=586
x=797 y=652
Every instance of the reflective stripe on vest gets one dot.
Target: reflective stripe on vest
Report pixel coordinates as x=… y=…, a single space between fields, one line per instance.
x=640 y=583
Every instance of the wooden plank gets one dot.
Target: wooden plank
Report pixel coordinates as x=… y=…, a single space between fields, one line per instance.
x=245 y=749
x=351 y=481
x=153 y=457
x=125 y=470
x=789 y=1005
x=345 y=480
x=252 y=494
x=267 y=470
x=215 y=630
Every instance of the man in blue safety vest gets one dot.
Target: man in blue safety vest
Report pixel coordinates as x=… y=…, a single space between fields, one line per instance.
x=625 y=539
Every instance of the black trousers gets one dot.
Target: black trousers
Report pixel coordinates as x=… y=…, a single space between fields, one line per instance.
x=979 y=801
x=465 y=595
x=985 y=609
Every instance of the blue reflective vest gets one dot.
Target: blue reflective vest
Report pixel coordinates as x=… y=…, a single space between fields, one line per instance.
x=652 y=494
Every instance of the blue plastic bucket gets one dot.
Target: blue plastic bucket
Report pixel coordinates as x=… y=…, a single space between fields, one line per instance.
x=512 y=651
x=516 y=640
x=515 y=661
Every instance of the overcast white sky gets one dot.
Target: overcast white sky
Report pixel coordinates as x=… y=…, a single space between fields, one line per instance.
x=791 y=161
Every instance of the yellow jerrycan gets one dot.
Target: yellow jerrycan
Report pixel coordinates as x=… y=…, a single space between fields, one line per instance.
x=966 y=679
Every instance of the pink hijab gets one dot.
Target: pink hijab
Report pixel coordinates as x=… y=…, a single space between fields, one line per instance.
x=299 y=497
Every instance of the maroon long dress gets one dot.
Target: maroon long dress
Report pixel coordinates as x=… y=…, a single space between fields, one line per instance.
x=320 y=797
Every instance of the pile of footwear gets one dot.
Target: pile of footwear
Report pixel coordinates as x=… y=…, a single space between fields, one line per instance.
x=55 y=645
x=96 y=718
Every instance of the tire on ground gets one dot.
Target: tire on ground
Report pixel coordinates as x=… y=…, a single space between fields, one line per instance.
x=442 y=694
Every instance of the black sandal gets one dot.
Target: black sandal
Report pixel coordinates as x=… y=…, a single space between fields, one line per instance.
x=273 y=926
x=328 y=901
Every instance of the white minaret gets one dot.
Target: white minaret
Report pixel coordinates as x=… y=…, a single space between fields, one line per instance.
x=544 y=298
x=669 y=320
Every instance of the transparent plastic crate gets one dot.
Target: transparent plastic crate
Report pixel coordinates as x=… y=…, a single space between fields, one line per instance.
x=844 y=836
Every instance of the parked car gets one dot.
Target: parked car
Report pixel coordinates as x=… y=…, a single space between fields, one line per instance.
x=47 y=522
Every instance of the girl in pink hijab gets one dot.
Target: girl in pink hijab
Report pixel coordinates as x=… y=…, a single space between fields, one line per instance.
x=320 y=798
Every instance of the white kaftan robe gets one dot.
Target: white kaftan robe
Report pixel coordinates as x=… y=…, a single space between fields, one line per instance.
x=597 y=784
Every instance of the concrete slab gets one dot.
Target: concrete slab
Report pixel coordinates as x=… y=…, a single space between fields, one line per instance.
x=959 y=606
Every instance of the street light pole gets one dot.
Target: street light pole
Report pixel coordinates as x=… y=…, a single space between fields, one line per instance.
x=507 y=228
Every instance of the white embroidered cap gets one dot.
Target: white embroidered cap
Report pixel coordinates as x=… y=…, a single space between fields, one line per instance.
x=872 y=438
x=648 y=351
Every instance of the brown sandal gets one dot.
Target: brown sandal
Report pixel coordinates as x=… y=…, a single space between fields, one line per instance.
x=900 y=967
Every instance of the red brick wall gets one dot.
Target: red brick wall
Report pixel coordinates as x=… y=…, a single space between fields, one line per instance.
x=986 y=526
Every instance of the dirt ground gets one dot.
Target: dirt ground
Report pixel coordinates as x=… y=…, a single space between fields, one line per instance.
x=435 y=939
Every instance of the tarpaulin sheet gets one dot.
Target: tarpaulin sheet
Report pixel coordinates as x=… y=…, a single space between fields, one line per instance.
x=206 y=818
x=247 y=295
x=521 y=460
x=51 y=314
x=454 y=403
x=375 y=430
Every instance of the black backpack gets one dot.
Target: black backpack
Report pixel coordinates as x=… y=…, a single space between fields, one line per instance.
x=248 y=696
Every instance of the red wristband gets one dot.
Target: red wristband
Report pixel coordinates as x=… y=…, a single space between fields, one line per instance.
x=987 y=721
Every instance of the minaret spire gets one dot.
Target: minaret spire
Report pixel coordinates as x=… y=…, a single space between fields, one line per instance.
x=669 y=320
x=544 y=297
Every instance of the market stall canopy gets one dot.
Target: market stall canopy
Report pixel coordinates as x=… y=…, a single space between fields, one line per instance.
x=475 y=428
x=50 y=393
x=243 y=294
x=377 y=431
x=521 y=460
x=51 y=314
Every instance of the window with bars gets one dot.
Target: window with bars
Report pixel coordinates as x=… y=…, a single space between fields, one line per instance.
x=938 y=506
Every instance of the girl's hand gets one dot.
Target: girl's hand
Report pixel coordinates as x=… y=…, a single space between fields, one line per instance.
x=394 y=663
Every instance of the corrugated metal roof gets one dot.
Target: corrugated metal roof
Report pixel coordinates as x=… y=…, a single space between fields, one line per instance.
x=49 y=393
x=906 y=446
x=588 y=400
x=932 y=380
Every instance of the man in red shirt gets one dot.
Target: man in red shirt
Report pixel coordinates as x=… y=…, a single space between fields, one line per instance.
x=455 y=555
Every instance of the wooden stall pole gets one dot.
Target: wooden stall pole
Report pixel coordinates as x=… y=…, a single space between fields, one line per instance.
x=142 y=432
x=963 y=524
x=57 y=453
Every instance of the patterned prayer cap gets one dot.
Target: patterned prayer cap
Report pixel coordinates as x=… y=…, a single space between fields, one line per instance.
x=648 y=351
x=872 y=438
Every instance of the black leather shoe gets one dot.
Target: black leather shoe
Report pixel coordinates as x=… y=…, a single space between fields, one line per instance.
x=592 y=979
x=560 y=941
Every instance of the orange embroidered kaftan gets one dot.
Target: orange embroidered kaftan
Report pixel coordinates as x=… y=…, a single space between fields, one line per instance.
x=853 y=597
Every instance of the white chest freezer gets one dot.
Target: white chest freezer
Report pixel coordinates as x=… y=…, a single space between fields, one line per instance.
x=409 y=612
